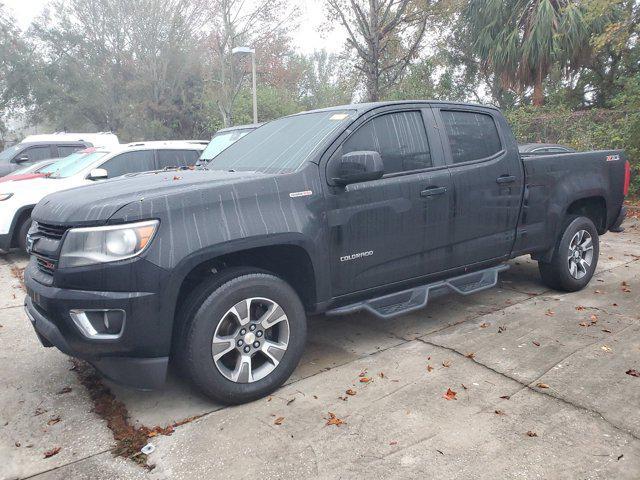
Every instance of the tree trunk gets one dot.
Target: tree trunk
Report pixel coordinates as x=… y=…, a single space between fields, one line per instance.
x=538 y=91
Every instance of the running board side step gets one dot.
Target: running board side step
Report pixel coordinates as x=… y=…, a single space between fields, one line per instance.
x=399 y=303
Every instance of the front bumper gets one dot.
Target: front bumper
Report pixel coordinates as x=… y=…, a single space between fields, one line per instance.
x=132 y=360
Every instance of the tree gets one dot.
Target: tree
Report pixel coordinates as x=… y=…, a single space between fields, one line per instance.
x=260 y=25
x=15 y=66
x=127 y=67
x=386 y=36
x=520 y=41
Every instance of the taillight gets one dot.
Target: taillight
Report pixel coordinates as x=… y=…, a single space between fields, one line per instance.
x=627 y=177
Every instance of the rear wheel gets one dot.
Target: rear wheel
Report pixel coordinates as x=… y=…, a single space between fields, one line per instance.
x=244 y=337
x=575 y=256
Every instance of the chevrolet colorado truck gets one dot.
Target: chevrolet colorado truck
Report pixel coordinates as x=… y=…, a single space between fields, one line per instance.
x=370 y=207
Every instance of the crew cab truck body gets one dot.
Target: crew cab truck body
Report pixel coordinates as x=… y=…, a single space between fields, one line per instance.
x=366 y=206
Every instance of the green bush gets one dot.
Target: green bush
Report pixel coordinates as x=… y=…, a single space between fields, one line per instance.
x=594 y=129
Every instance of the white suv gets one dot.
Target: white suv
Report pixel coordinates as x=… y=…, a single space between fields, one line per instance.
x=17 y=198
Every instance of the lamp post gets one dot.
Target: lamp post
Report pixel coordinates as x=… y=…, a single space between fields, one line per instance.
x=252 y=51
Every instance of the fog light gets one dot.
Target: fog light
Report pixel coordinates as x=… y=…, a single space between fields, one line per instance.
x=99 y=324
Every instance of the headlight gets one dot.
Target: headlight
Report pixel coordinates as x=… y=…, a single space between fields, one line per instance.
x=5 y=196
x=89 y=246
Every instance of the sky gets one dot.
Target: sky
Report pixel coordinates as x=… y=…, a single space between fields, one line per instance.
x=306 y=38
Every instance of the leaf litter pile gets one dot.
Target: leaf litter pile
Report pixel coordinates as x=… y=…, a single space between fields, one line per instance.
x=129 y=439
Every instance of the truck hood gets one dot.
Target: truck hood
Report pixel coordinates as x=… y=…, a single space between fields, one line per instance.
x=95 y=204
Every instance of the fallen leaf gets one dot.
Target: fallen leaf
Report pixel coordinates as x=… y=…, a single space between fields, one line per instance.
x=350 y=392
x=470 y=355
x=381 y=375
x=550 y=313
x=594 y=318
x=278 y=421
x=633 y=372
x=463 y=386
x=40 y=411
x=333 y=420
x=485 y=325
x=52 y=452
x=597 y=291
x=537 y=344
x=531 y=434
x=291 y=401
x=506 y=397
x=605 y=348
x=580 y=308
x=429 y=368
x=502 y=328
x=365 y=380
x=606 y=330
x=53 y=420
x=344 y=399
x=362 y=373
x=446 y=363
x=542 y=385
x=393 y=443
x=583 y=324
x=499 y=412
x=450 y=395
x=64 y=390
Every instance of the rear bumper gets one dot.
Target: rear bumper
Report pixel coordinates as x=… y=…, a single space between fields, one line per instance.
x=617 y=224
x=126 y=360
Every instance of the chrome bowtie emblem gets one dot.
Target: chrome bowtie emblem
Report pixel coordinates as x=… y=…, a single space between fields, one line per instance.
x=30 y=243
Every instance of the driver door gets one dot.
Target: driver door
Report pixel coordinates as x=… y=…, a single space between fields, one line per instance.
x=378 y=229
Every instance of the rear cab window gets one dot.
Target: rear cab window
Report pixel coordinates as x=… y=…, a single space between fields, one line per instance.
x=472 y=136
x=129 y=162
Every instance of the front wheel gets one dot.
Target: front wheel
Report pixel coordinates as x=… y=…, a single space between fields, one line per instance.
x=244 y=337
x=575 y=256
x=23 y=230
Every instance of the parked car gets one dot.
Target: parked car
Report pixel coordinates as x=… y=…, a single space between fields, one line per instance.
x=223 y=138
x=365 y=207
x=29 y=172
x=85 y=167
x=35 y=148
x=543 y=149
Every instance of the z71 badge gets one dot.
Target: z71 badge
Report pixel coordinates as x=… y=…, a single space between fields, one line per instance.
x=613 y=158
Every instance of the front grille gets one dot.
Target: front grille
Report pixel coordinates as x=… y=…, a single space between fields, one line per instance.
x=53 y=232
x=45 y=266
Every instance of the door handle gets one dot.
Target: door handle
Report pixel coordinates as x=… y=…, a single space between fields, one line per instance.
x=505 y=179
x=433 y=191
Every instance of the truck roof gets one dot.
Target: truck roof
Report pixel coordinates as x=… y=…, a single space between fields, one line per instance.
x=97 y=139
x=364 y=107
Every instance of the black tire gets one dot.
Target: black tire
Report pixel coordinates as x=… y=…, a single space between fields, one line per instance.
x=207 y=307
x=557 y=273
x=23 y=229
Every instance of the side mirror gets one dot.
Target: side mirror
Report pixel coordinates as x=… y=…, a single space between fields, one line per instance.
x=98 y=174
x=354 y=167
x=22 y=159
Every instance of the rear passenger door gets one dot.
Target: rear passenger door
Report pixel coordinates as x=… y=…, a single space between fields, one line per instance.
x=488 y=181
x=395 y=228
x=176 y=158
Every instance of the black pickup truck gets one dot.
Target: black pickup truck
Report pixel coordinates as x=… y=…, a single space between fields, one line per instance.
x=363 y=207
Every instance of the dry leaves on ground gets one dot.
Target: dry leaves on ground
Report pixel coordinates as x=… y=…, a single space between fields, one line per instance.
x=53 y=420
x=531 y=434
x=542 y=385
x=633 y=372
x=365 y=379
x=485 y=325
x=351 y=392
x=52 y=452
x=429 y=368
x=446 y=363
x=333 y=420
x=278 y=421
x=450 y=395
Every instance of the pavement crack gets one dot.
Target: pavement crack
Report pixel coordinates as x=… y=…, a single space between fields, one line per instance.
x=72 y=462
x=528 y=386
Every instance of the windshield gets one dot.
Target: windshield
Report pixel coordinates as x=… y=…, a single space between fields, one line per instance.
x=284 y=145
x=9 y=153
x=74 y=163
x=220 y=142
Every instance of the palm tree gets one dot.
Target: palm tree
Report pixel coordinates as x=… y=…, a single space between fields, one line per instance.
x=520 y=41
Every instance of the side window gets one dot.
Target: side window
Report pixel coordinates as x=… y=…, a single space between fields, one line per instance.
x=130 y=162
x=400 y=138
x=65 y=150
x=36 y=154
x=177 y=158
x=472 y=136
